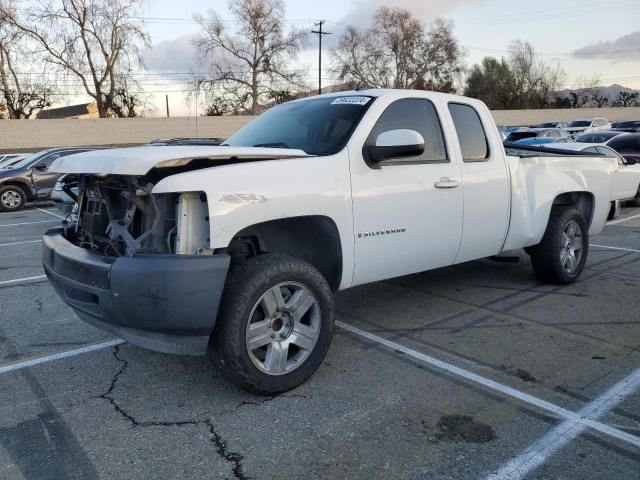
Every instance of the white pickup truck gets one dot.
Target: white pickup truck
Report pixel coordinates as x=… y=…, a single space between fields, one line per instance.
x=241 y=245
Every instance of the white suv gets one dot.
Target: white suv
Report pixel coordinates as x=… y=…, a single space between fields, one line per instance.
x=586 y=125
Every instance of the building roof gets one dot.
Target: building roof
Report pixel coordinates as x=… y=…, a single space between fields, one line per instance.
x=65 y=112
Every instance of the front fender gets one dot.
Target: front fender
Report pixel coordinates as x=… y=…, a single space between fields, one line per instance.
x=244 y=194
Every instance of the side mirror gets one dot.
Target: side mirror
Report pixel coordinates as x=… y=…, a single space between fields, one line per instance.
x=40 y=168
x=395 y=144
x=630 y=161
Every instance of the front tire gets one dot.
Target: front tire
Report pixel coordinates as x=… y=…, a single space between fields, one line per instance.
x=275 y=324
x=12 y=198
x=561 y=255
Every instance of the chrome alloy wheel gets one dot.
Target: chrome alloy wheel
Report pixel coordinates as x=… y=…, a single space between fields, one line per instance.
x=283 y=328
x=11 y=199
x=571 y=246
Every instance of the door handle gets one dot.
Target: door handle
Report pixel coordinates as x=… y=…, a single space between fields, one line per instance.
x=446 y=182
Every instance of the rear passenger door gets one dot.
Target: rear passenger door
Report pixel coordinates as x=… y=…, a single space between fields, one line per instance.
x=407 y=212
x=486 y=183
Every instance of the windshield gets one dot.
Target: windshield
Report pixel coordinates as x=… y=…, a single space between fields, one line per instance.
x=25 y=161
x=580 y=123
x=547 y=125
x=320 y=126
x=597 y=137
x=630 y=124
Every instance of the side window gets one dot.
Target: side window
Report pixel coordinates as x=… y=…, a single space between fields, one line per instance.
x=47 y=161
x=471 y=135
x=414 y=114
x=591 y=150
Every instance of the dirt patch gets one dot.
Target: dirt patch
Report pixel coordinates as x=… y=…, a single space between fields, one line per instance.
x=462 y=428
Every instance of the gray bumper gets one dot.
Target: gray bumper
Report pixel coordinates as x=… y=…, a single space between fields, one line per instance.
x=167 y=303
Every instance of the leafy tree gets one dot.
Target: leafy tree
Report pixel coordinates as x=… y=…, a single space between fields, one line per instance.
x=399 y=51
x=493 y=82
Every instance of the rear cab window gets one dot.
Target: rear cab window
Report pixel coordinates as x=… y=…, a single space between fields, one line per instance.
x=471 y=134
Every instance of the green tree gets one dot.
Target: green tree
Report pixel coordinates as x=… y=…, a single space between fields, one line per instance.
x=493 y=82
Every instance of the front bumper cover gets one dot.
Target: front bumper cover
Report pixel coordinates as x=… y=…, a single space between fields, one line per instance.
x=167 y=303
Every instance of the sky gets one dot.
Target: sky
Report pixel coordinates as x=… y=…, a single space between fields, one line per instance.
x=586 y=37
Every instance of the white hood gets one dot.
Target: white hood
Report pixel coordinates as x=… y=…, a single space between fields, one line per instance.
x=139 y=160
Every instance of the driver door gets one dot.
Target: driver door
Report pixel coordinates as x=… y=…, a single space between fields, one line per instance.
x=407 y=212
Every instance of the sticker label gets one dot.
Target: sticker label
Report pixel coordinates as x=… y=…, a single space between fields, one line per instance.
x=352 y=100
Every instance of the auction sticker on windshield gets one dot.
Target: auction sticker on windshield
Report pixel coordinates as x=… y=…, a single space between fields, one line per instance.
x=353 y=100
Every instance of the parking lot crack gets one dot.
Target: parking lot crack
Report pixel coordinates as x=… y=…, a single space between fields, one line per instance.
x=234 y=458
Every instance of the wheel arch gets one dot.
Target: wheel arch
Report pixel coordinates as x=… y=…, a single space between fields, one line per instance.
x=313 y=238
x=582 y=200
x=23 y=186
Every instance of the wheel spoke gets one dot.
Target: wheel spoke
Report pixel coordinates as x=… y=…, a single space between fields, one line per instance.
x=304 y=336
x=299 y=304
x=272 y=302
x=276 y=359
x=571 y=229
x=571 y=261
x=258 y=335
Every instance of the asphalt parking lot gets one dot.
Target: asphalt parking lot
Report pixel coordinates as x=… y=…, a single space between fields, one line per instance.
x=463 y=372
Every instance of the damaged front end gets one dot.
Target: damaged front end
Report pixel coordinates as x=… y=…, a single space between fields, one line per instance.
x=138 y=264
x=119 y=216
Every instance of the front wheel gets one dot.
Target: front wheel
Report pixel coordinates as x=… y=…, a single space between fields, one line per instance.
x=12 y=198
x=561 y=255
x=275 y=324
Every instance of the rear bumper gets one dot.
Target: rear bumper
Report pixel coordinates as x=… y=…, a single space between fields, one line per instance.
x=167 y=303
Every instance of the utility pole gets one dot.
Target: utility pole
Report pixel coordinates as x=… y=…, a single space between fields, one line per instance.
x=166 y=97
x=320 y=34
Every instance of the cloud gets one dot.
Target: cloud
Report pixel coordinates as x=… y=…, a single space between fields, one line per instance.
x=175 y=56
x=626 y=47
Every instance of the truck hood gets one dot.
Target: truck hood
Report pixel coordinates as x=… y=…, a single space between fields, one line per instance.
x=140 y=160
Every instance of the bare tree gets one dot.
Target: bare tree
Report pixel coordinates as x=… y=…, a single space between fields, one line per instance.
x=249 y=63
x=399 y=51
x=92 y=40
x=627 y=99
x=599 y=98
x=536 y=79
x=23 y=95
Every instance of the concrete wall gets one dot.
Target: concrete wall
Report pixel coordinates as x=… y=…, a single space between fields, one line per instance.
x=37 y=134
x=31 y=134
x=532 y=117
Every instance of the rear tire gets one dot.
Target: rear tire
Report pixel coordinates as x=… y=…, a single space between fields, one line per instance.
x=561 y=255
x=12 y=198
x=275 y=324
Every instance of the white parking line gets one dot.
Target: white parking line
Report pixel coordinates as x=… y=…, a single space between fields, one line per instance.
x=511 y=392
x=10 y=367
x=29 y=223
x=22 y=280
x=538 y=453
x=19 y=243
x=620 y=220
x=614 y=248
x=50 y=213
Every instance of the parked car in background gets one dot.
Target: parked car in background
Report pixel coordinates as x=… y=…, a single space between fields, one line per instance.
x=553 y=125
x=9 y=158
x=29 y=179
x=536 y=133
x=601 y=136
x=586 y=125
x=542 y=140
x=630 y=126
x=627 y=145
x=626 y=181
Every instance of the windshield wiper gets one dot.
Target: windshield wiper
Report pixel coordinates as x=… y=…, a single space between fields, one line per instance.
x=272 y=145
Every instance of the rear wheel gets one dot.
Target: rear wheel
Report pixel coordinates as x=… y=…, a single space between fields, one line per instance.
x=561 y=255
x=275 y=324
x=12 y=198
